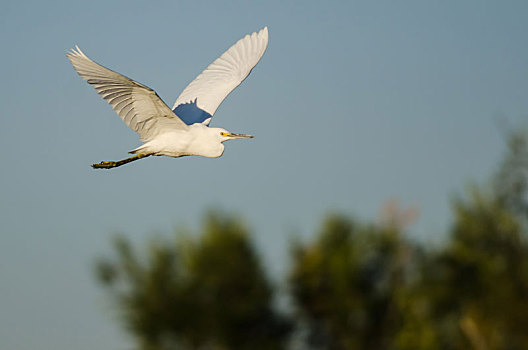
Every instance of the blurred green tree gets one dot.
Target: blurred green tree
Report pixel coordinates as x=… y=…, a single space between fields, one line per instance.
x=478 y=282
x=352 y=288
x=209 y=293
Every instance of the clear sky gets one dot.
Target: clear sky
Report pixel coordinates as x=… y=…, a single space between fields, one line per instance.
x=353 y=103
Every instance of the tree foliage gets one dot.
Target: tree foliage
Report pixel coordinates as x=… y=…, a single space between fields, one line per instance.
x=352 y=287
x=203 y=293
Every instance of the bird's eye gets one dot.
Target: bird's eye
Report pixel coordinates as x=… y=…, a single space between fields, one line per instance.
x=224 y=134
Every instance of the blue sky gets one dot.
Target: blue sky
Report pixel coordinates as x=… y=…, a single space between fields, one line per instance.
x=353 y=103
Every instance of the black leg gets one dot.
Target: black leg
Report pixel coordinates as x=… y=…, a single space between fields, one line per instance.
x=110 y=164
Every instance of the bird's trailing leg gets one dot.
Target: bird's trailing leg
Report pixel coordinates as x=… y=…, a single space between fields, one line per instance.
x=110 y=164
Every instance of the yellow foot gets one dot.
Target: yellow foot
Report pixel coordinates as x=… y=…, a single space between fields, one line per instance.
x=104 y=165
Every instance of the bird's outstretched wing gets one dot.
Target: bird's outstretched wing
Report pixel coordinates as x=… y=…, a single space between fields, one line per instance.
x=139 y=106
x=201 y=98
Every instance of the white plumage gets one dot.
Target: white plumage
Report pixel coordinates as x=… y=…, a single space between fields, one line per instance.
x=183 y=130
x=227 y=72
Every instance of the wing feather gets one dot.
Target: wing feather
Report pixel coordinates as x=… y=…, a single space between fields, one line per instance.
x=137 y=105
x=222 y=76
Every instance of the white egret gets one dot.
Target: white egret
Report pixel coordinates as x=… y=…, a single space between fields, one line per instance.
x=183 y=130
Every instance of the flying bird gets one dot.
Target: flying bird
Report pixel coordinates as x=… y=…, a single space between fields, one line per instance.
x=183 y=130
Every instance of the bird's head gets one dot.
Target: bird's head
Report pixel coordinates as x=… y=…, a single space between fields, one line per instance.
x=226 y=135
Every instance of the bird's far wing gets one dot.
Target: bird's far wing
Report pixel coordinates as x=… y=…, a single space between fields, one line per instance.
x=200 y=99
x=138 y=105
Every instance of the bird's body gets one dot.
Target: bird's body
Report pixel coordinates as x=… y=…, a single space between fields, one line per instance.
x=184 y=130
x=198 y=140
